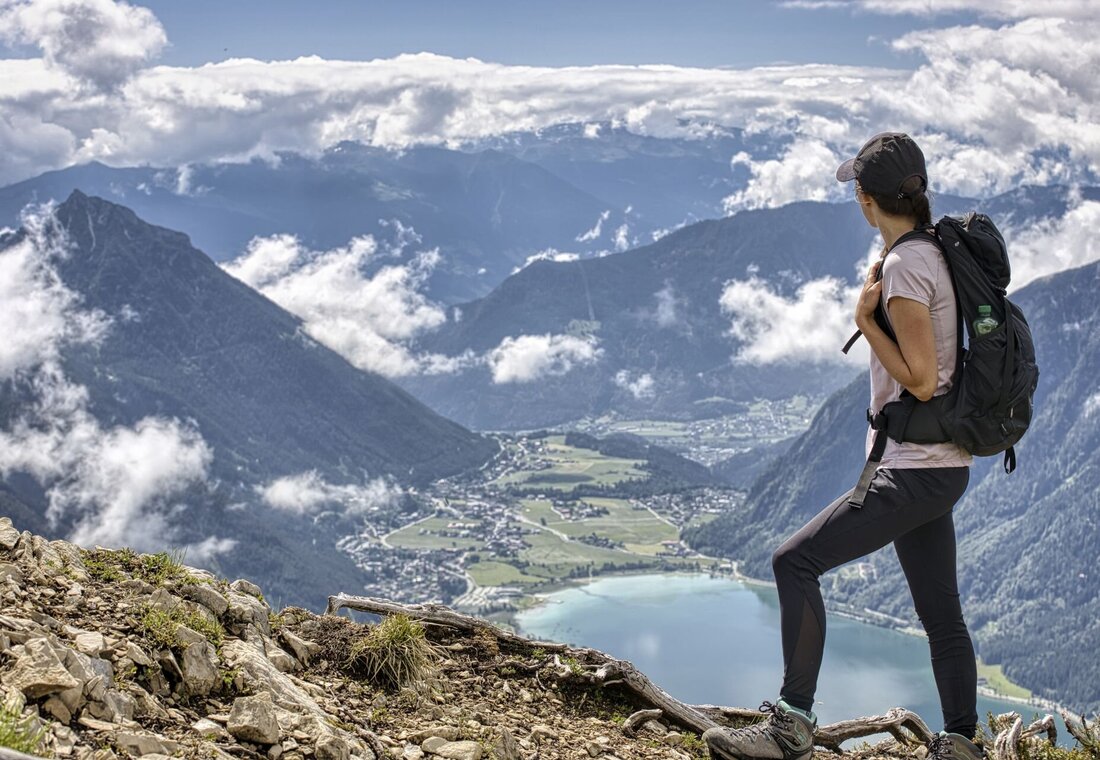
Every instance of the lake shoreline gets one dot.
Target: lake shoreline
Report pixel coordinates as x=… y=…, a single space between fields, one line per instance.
x=870 y=617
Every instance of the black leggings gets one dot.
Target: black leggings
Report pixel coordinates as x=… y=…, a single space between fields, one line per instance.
x=911 y=507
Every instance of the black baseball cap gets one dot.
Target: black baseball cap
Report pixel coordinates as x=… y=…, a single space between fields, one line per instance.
x=884 y=164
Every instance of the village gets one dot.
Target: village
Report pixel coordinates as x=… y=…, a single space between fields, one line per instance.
x=483 y=543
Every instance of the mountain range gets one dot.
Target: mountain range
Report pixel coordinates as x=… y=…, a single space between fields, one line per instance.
x=189 y=342
x=654 y=312
x=486 y=211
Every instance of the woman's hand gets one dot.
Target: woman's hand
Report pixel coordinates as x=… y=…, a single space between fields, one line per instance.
x=869 y=297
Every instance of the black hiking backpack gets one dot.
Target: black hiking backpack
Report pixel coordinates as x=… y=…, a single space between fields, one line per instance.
x=989 y=405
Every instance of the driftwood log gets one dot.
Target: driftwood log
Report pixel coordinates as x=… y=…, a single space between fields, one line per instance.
x=591 y=666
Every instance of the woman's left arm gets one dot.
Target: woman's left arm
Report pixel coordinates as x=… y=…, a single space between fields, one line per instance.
x=912 y=360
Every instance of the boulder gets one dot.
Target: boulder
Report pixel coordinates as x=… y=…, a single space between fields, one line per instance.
x=303 y=650
x=208 y=729
x=199 y=664
x=90 y=643
x=143 y=743
x=9 y=536
x=207 y=596
x=247 y=587
x=8 y=570
x=40 y=670
x=331 y=747
x=114 y=707
x=464 y=750
x=432 y=743
x=279 y=658
x=260 y=675
x=161 y=599
x=505 y=747
x=252 y=719
x=447 y=733
x=246 y=610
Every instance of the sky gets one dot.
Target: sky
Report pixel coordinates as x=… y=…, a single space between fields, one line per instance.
x=1004 y=89
x=711 y=33
x=998 y=93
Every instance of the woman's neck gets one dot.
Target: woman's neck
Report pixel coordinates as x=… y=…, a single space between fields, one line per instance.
x=893 y=227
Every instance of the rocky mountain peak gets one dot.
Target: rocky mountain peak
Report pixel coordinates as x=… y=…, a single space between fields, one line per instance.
x=110 y=653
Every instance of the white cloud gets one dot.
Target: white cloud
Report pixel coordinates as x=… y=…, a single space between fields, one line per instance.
x=801 y=173
x=640 y=387
x=1054 y=245
x=524 y=358
x=1085 y=9
x=97 y=41
x=308 y=492
x=621 y=238
x=595 y=232
x=115 y=483
x=548 y=254
x=368 y=319
x=1092 y=404
x=666 y=313
x=40 y=314
x=810 y=327
x=995 y=105
x=127 y=470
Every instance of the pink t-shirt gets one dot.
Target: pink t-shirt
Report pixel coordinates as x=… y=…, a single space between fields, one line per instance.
x=916 y=269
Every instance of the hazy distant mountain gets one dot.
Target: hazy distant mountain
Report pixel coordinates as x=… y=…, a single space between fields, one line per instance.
x=485 y=211
x=665 y=181
x=189 y=341
x=1029 y=542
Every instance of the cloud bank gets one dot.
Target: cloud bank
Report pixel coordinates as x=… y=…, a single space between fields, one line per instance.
x=367 y=319
x=1028 y=112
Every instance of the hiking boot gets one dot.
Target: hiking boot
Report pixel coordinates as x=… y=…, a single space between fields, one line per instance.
x=785 y=735
x=945 y=746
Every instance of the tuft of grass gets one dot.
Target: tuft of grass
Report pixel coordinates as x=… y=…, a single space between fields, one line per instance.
x=395 y=653
x=103 y=565
x=114 y=565
x=162 y=567
x=694 y=745
x=19 y=733
x=160 y=627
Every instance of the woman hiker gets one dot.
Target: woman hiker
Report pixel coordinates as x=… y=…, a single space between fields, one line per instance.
x=912 y=494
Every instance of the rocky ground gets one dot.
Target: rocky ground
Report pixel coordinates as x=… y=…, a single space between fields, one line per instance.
x=108 y=654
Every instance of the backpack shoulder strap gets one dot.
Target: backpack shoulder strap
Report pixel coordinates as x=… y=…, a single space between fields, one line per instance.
x=926 y=232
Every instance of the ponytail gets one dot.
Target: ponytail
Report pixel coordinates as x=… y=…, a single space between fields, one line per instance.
x=912 y=200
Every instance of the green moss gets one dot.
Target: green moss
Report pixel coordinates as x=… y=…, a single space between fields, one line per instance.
x=18 y=733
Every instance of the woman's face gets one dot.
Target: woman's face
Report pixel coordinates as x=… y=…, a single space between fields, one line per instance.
x=865 y=202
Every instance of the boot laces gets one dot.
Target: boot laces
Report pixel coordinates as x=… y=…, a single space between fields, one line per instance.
x=940 y=748
x=768 y=726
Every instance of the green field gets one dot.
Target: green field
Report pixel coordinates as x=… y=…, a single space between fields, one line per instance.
x=571 y=466
x=411 y=537
x=493 y=573
x=998 y=681
x=637 y=529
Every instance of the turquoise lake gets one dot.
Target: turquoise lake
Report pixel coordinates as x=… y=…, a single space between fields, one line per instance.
x=716 y=641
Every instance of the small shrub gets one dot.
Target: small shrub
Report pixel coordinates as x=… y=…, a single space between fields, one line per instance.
x=18 y=733
x=395 y=653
